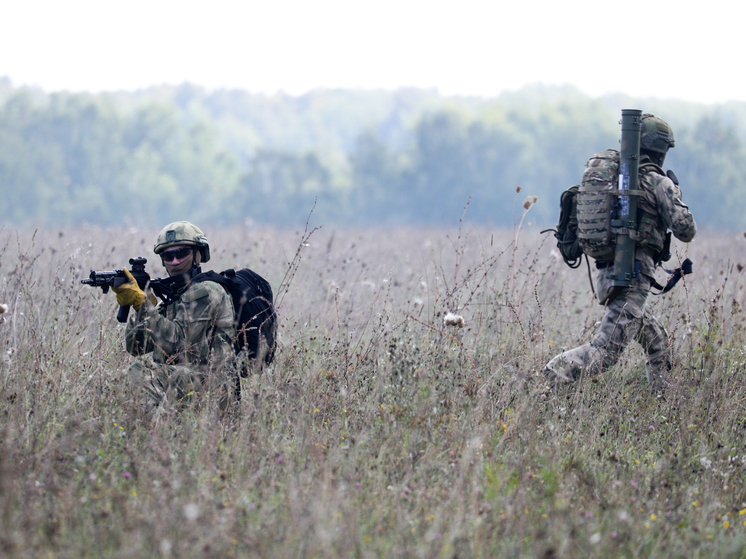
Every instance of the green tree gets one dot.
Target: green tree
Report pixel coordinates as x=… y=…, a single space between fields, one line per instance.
x=377 y=196
x=710 y=160
x=281 y=188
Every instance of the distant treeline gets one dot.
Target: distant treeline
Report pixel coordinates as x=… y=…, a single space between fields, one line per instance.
x=363 y=157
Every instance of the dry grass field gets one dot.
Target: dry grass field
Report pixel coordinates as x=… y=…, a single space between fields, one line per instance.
x=379 y=430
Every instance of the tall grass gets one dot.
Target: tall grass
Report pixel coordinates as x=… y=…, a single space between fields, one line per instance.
x=378 y=430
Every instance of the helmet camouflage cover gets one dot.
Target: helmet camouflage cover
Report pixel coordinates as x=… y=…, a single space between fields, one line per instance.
x=182 y=233
x=655 y=134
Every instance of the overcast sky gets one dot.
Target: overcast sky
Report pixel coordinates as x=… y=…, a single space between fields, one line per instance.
x=665 y=49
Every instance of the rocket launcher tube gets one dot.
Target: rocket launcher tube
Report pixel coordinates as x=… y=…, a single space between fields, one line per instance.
x=626 y=219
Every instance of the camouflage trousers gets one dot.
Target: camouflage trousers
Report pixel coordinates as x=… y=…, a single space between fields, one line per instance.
x=626 y=318
x=178 y=386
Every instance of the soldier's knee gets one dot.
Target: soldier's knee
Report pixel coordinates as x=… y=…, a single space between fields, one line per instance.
x=607 y=354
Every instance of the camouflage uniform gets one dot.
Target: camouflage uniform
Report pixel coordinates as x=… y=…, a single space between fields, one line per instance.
x=626 y=315
x=189 y=337
x=190 y=342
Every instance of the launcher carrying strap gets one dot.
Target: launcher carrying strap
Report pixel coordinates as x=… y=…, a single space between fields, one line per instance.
x=624 y=192
x=686 y=268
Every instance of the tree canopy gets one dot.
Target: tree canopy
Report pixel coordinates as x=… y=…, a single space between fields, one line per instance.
x=363 y=157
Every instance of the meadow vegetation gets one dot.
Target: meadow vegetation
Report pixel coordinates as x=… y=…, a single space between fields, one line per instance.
x=379 y=430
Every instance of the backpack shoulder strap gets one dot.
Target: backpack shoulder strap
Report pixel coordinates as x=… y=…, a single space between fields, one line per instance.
x=650 y=167
x=212 y=276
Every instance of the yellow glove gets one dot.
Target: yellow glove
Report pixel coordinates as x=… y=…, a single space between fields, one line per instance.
x=130 y=294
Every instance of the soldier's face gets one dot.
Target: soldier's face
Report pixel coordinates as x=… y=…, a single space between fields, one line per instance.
x=178 y=259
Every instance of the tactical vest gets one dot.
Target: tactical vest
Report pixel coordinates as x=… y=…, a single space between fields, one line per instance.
x=596 y=200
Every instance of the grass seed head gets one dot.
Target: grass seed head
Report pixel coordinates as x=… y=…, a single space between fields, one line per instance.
x=451 y=319
x=530 y=201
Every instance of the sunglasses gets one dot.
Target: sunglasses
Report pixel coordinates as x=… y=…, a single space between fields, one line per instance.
x=175 y=254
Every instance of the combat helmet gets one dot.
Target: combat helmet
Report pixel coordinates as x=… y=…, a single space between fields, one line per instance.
x=182 y=233
x=655 y=134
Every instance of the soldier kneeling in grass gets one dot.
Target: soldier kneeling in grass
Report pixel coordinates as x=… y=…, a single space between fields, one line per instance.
x=187 y=345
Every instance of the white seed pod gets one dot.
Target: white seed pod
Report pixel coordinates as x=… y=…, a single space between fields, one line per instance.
x=451 y=319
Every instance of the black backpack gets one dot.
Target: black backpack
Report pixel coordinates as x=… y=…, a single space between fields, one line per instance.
x=256 y=318
x=566 y=232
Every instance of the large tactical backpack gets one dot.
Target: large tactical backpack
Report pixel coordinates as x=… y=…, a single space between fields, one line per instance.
x=256 y=319
x=595 y=204
x=585 y=212
x=596 y=199
x=585 y=219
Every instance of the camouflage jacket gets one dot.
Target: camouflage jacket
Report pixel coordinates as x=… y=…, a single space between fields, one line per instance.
x=196 y=329
x=662 y=205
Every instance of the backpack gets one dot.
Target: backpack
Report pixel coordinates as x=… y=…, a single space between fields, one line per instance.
x=595 y=205
x=256 y=318
x=585 y=219
x=597 y=202
x=566 y=232
x=586 y=210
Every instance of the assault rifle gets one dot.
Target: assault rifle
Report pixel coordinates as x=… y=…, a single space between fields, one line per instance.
x=115 y=278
